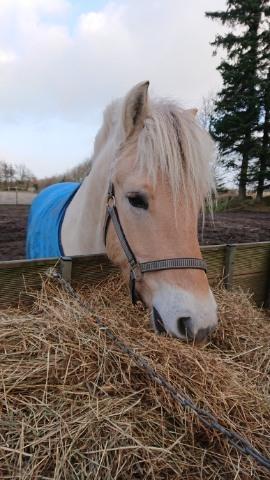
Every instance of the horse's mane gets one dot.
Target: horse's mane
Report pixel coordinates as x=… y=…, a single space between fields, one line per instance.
x=171 y=142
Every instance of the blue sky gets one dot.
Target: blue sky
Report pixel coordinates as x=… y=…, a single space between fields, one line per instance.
x=63 y=61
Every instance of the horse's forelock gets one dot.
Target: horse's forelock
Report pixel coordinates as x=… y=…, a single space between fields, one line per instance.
x=172 y=142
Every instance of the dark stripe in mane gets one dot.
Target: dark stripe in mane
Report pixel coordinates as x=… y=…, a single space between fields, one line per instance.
x=177 y=128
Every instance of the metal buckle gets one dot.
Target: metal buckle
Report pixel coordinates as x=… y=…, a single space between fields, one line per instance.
x=136 y=272
x=110 y=200
x=135 y=275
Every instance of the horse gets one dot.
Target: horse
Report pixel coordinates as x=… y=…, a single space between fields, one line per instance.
x=151 y=175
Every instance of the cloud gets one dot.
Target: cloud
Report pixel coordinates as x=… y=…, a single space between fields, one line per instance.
x=50 y=66
x=63 y=61
x=39 y=7
x=7 y=56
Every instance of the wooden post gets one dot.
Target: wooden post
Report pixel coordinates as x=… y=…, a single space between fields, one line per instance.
x=229 y=261
x=266 y=302
x=66 y=268
x=267 y=298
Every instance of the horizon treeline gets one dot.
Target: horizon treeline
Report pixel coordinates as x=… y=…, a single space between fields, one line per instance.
x=16 y=176
x=75 y=174
x=20 y=177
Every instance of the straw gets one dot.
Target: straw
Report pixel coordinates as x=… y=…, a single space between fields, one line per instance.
x=75 y=407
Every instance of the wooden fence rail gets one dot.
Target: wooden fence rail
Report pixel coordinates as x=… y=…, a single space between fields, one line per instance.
x=244 y=265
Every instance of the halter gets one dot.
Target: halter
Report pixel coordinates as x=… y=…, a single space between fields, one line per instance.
x=138 y=269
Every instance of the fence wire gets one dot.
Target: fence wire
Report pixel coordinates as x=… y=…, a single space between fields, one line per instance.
x=209 y=420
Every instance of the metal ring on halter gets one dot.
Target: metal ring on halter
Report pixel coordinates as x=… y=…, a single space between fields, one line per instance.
x=111 y=201
x=136 y=272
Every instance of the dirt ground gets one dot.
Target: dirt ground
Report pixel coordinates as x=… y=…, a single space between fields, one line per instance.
x=236 y=227
x=228 y=227
x=13 y=221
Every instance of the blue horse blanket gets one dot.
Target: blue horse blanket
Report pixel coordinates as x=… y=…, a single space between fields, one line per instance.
x=46 y=218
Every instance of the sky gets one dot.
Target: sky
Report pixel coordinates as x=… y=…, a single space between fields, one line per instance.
x=63 y=61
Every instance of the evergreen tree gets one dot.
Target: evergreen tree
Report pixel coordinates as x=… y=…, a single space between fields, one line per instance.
x=263 y=171
x=237 y=108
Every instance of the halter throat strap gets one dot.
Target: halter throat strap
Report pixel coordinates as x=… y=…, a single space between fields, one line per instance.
x=138 y=269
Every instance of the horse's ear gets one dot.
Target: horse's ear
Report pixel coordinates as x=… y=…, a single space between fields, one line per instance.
x=135 y=108
x=192 y=111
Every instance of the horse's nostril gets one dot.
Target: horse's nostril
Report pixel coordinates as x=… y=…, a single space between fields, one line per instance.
x=184 y=326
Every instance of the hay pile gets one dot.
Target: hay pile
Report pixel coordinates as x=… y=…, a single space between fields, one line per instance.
x=74 y=407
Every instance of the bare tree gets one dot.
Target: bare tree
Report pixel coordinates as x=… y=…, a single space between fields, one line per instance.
x=7 y=174
x=18 y=176
x=205 y=117
x=206 y=112
x=24 y=177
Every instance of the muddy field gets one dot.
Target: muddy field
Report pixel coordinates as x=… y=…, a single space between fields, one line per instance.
x=13 y=220
x=228 y=227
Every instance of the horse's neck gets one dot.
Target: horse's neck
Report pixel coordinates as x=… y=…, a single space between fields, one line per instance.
x=82 y=228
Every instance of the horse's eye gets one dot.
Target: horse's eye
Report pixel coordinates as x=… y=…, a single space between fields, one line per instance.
x=138 y=200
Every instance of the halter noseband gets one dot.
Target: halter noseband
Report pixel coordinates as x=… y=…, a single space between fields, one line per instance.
x=138 y=269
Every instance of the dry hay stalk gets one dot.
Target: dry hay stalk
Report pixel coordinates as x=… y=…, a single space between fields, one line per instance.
x=75 y=407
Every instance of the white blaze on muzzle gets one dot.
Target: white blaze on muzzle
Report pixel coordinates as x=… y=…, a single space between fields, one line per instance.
x=182 y=314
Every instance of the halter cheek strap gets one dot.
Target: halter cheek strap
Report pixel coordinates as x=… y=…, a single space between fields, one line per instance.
x=138 y=269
